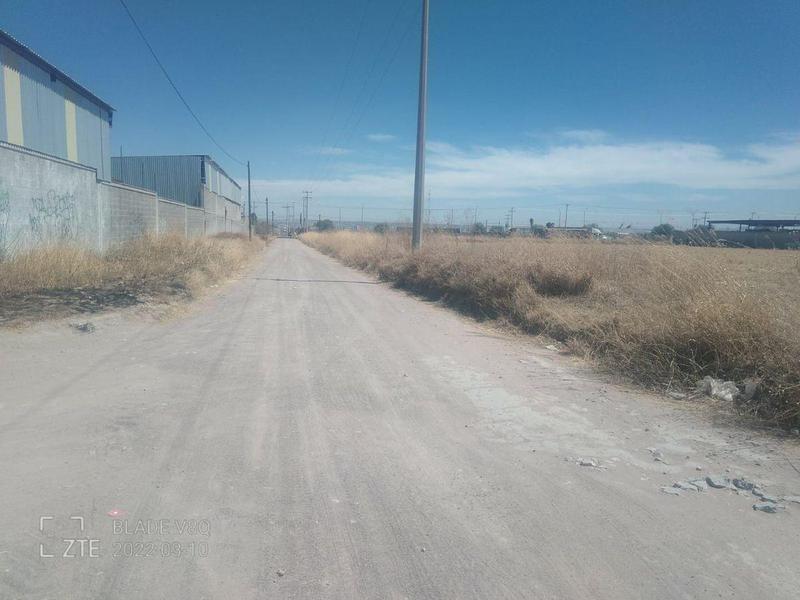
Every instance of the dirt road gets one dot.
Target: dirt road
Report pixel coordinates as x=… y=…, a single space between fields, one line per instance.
x=305 y=432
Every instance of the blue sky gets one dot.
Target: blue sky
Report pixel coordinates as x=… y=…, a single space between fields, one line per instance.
x=633 y=112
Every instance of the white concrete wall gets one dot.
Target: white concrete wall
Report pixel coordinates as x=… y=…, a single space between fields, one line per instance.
x=47 y=200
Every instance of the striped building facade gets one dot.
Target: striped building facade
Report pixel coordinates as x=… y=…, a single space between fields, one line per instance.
x=43 y=109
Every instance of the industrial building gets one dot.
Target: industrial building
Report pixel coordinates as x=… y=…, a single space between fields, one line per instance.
x=43 y=109
x=193 y=180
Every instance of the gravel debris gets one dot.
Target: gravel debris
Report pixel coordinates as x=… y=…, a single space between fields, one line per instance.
x=718 y=482
x=700 y=484
x=768 y=507
x=685 y=486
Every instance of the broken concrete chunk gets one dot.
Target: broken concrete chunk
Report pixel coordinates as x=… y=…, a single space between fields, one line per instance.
x=795 y=499
x=671 y=491
x=588 y=462
x=768 y=507
x=700 y=484
x=685 y=486
x=718 y=482
x=751 y=388
x=716 y=388
x=743 y=484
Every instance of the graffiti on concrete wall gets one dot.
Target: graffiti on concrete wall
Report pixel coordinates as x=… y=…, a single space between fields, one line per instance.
x=5 y=209
x=54 y=217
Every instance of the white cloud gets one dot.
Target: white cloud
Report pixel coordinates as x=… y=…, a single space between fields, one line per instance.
x=491 y=172
x=380 y=137
x=330 y=151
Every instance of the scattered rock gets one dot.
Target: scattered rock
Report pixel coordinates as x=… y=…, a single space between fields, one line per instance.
x=280 y=572
x=551 y=347
x=700 y=484
x=671 y=491
x=795 y=499
x=718 y=482
x=588 y=462
x=758 y=492
x=768 y=498
x=743 y=484
x=698 y=468
x=87 y=327
x=751 y=388
x=768 y=507
x=716 y=388
x=676 y=395
x=795 y=431
x=685 y=486
x=657 y=455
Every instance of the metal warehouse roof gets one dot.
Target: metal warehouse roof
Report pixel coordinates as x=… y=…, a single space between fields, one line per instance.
x=30 y=55
x=203 y=156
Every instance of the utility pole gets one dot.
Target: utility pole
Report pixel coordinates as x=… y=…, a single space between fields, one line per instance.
x=566 y=214
x=306 y=198
x=419 y=172
x=511 y=218
x=266 y=213
x=249 y=206
x=273 y=222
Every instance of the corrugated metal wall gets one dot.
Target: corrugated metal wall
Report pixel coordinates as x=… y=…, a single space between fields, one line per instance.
x=176 y=178
x=40 y=111
x=219 y=183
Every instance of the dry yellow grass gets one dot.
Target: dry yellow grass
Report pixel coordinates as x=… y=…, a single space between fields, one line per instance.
x=58 y=280
x=662 y=315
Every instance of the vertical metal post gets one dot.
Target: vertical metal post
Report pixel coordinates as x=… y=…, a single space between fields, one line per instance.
x=419 y=173
x=566 y=214
x=249 y=206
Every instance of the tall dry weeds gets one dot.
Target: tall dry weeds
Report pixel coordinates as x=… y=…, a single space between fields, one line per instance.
x=662 y=315
x=149 y=266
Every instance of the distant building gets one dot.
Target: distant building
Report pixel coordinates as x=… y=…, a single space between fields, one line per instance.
x=194 y=179
x=43 y=109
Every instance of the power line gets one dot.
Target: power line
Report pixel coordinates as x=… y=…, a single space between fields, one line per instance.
x=348 y=130
x=175 y=87
x=383 y=75
x=346 y=76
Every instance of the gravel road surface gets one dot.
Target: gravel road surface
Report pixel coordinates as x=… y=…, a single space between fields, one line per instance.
x=307 y=432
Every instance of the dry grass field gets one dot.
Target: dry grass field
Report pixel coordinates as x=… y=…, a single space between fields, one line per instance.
x=61 y=280
x=662 y=315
